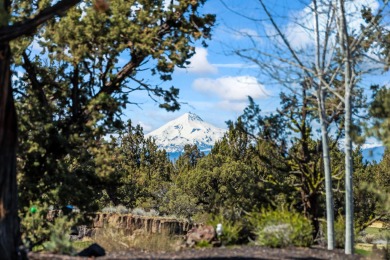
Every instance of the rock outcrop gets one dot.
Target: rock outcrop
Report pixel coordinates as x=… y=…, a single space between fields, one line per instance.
x=134 y=223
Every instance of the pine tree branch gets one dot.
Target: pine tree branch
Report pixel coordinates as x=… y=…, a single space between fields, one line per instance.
x=28 y=26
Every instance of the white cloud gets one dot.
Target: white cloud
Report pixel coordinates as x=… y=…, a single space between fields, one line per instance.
x=235 y=106
x=231 y=88
x=299 y=31
x=199 y=63
x=354 y=8
x=236 y=65
x=146 y=127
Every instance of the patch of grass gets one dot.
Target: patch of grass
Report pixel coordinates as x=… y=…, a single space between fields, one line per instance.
x=114 y=239
x=38 y=248
x=372 y=230
x=374 y=233
x=362 y=252
x=204 y=244
x=80 y=245
x=368 y=247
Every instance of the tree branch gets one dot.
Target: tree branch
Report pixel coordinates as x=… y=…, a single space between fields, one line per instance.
x=28 y=26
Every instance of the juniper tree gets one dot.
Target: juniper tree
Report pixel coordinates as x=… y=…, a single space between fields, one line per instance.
x=78 y=105
x=239 y=175
x=10 y=30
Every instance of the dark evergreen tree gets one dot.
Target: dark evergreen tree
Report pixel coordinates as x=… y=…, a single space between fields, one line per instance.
x=80 y=104
x=380 y=114
x=134 y=172
x=236 y=177
x=73 y=94
x=189 y=158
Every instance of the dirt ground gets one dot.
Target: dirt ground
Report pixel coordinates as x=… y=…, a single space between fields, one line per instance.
x=242 y=252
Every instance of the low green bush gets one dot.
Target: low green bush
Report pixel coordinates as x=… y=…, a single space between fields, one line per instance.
x=59 y=241
x=42 y=233
x=339 y=232
x=281 y=228
x=230 y=229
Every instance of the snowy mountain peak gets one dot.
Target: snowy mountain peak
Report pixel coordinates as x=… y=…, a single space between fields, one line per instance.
x=186 y=129
x=188 y=117
x=193 y=117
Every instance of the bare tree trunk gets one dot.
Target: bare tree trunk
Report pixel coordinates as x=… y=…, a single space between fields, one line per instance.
x=348 y=83
x=324 y=135
x=327 y=171
x=9 y=224
x=321 y=110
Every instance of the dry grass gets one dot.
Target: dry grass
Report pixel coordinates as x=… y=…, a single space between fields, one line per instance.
x=377 y=224
x=114 y=240
x=368 y=247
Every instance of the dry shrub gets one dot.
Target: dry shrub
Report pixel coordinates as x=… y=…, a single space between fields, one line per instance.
x=115 y=239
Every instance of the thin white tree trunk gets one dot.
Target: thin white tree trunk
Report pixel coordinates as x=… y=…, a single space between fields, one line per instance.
x=348 y=83
x=327 y=172
x=324 y=135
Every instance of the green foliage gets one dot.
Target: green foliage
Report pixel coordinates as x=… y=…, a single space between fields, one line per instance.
x=362 y=252
x=380 y=112
x=367 y=204
x=339 y=231
x=67 y=101
x=303 y=180
x=369 y=192
x=177 y=202
x=230 y=229
x=281 y=228
x=34 y=227
x=134 y=172
x=189 y=158
x=39 y=230
x=203 y=244
x=381 y=172
x=238 y=175
x=59 y=241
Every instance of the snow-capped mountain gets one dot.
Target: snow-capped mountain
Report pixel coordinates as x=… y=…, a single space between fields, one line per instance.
x=191 y=129
x=186 y=129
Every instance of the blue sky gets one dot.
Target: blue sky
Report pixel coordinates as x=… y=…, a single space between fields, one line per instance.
x=216 y=84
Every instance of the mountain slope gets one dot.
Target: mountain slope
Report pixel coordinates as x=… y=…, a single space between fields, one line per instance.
x=186 y=129
x=191 y=129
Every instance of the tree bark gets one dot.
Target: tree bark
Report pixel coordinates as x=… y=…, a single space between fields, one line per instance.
x=348 y=83
x=328 y=174
x=324 y=135
x=9 y=224
x=9 y=221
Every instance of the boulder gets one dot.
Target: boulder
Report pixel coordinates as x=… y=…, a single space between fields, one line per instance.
x=198 y=234
x=93 y=250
